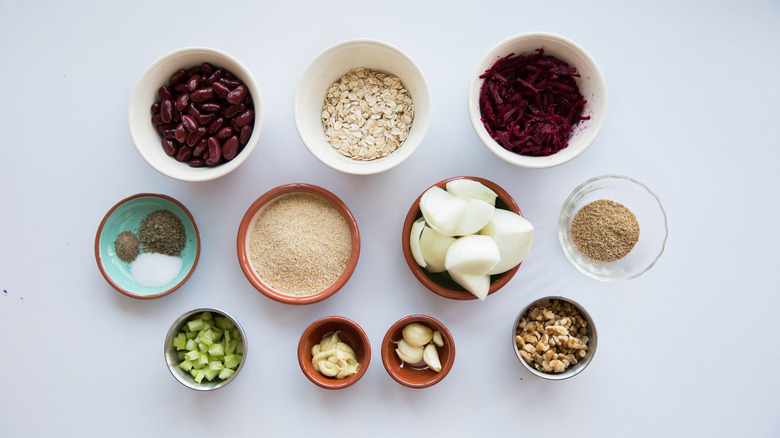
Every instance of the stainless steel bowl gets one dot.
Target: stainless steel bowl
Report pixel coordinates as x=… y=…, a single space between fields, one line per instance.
x=572 y=370
x=172 y=359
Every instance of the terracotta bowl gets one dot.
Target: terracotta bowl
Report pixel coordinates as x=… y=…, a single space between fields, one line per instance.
x=349 y=333
x=417 y=376
x=441 y=283
x=244 y=234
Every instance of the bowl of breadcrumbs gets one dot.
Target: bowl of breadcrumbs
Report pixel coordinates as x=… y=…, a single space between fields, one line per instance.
x=298 y=244
x=362 y=106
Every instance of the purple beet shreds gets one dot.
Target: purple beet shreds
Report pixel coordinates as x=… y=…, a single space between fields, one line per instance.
x=530 y=104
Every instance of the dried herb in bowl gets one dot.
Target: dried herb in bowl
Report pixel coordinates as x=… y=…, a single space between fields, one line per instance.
x=531 y=103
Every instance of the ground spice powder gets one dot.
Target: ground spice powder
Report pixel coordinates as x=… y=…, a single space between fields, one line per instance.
x=604 y=231
x=162 y=232
x=300 y=244
x=126 y=246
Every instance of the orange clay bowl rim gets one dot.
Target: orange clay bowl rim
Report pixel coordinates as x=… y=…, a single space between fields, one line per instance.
x=392 y=363
x=246 y=265
x=497 y=282
x=351 y=333
x=108 y=277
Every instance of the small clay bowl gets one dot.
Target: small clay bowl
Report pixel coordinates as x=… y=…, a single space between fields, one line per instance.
x=350 y=333
x=172 y=359
x=441 y=283
x=245 y=233
x=127 y=216
x=414 y=376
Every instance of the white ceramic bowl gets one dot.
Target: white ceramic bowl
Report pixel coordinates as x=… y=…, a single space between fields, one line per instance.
x=327 y=68
x=591 y=84
x=145 y=137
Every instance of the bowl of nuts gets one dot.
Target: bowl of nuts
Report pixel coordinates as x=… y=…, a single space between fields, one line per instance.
x=334 y=352
x=418 y=351
x=195 y=114
x=362 y=106
x=554 y=338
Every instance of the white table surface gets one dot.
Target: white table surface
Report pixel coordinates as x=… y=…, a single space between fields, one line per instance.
x=688 y=348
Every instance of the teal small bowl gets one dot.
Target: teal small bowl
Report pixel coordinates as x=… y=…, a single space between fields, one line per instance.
x=127 y=216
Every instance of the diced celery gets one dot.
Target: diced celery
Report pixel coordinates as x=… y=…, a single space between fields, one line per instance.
x=206 y=316
x=192 y=355
x=216 y=350
x=226 y=373
x=194 y=372
x=216 y=365
x=203 y=359
x=239 y=347
x=186 y=365
x=227 y=336
x=210 y=374
x=180 y=341
x=223 y=322
x=200 y=375
x=232 y=361
x=191 y=345
x=195 y=325
x=180 y=355
x=230 y=346
x=203 y=347
x=191 y=335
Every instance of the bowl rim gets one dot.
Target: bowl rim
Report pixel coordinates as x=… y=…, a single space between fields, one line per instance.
x=267 y=197
x=173 y=331
x=592 y=341
x=203 y=173
x=99 y=260
x=380 y=164
x=454 y=294
x=562 y=236
x=387 y=358
x=476 y=82
x=333 y=384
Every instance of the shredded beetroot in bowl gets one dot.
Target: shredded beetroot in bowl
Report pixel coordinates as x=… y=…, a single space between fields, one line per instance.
x=530 y=104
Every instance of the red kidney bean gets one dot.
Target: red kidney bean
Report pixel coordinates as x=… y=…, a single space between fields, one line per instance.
x=177 y=77
x=237 y=95
x=169 y=133
x=215 y=152
x=157 y=119
x=246 y=133
x=205 y=119
x=216 y=125
x=233 y=110
x=159 y=129
x=166 y=111
x=155 y=107
x=211 y=107
x=197 y=162
x=165 y=93
x=194 y=137
x=198 y=150
x=192 y=110
x=169 y=147
x=189 y=122
x=202 y=94
x=184 y=154
x=229 y=82
x=192 y=82
x=207 y=68
x=220 y=89
x=214 y=77
x=245 y=117
x=230 y=148
x=181 y=133
x=193 y=70
x=180 y=88
x=176 y=116
x=182 y=101
x=224 y=133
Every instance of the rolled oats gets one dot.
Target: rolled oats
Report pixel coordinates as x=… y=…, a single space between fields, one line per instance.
x=367 y=115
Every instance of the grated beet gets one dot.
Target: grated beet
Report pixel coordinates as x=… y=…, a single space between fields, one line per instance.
x=530 y=104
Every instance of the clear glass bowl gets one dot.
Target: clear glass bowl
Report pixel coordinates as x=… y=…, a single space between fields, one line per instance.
x=650 y=214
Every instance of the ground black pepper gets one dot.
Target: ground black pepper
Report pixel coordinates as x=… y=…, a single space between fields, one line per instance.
x=604 y=231
x=126 y=246
x=162 y=232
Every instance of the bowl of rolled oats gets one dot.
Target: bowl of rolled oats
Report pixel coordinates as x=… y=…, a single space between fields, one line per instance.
x=362 y=106
x=554 y=338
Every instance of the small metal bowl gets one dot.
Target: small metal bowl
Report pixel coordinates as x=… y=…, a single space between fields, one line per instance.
x=350 y=333
x=413 y=376
x=172 y=359
x=650 y=214
x=572 y=370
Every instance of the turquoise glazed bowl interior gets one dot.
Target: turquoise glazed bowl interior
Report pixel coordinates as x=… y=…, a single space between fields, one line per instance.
x=127 y=216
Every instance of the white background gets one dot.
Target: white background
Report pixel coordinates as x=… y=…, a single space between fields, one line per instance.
x=688 y=348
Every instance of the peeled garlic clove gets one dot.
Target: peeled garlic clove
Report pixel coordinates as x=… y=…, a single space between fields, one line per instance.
x=417 y=334
x=477 y=214
x=431 y=357
x=409 y=353
x=473 y=255
x=479 y=285
x=434 y=246
x=441 y=210
x=470 y=189
x=437 y=339
x=414 y=241
x=513 y=234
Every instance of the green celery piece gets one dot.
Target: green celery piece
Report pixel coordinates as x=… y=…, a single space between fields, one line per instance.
x=195 y=325
x=180 y=341
x=194 y=372
x=203 y=359
x=186 y=365
x=200 y=375
x=192 y=355
x=203 y=347
x=191 y=335
x=232 y=361
x=230 y=346
x=206 y=316
x=239 y=347
x=191 y=345
x=227 y=336
x=208 y=337
x=180 y=355
x=216 y=350
x=210 y=374
x=223 y=322
x=216 y=365
x=226 y=373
